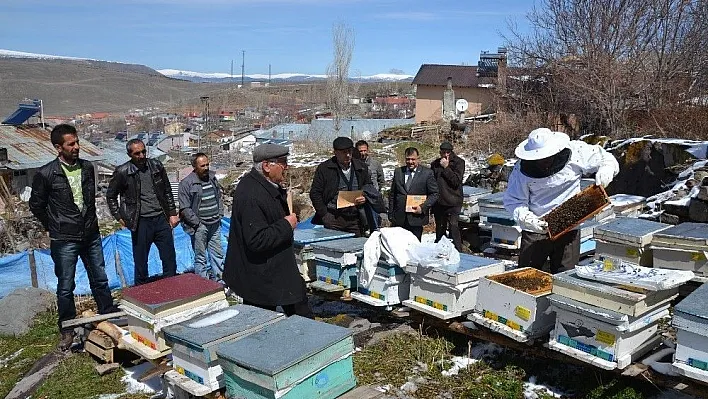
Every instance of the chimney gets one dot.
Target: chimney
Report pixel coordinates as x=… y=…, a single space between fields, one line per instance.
x=449 y=82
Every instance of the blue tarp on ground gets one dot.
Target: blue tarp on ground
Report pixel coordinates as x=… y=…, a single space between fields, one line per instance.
x=15 y=269
x=14 y=273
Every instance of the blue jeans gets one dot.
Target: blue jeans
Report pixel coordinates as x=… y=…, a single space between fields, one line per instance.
x=65 y=254
x=206 y=242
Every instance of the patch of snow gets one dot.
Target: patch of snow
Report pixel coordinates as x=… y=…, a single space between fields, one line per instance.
x=133 y=386
x=458 y=363
x=4 y=362
x=383 y=388
x=532 y=390
x=22 y=54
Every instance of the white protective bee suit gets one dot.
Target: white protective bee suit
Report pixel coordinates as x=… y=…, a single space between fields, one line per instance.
x=534 y=191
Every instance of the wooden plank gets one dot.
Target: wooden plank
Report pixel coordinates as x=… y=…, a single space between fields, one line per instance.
x=101 y=339
x=33 y=269
x=363 y=392
x=184 y=383
x=85 y=320
x=155 y=371
x=105 y=355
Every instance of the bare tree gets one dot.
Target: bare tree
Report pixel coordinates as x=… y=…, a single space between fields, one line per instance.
x=338 y=86
x=607 y=60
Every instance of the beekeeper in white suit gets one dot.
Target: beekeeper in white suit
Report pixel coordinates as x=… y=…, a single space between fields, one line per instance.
x=548 y=173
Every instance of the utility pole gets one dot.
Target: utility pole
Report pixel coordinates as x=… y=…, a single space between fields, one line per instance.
x=268 y=74
x=232 y=70
x=205 y=101
x=243 y=65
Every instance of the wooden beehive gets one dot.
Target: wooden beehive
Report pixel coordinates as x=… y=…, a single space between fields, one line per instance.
x=291 y=359
x=575 y=210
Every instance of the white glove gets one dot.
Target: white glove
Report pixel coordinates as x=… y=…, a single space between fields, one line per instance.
x=604 y=176
x=529 y=221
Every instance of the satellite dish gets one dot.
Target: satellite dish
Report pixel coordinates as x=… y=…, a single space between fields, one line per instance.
x=461 y=105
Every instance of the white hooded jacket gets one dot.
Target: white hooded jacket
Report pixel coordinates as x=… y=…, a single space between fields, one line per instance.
x=541 y=195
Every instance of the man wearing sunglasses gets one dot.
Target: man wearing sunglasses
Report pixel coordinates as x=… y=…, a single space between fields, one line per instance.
x=147 y=208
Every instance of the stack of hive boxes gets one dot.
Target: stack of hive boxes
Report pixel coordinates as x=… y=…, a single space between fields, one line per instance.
x=627 y=239
x=302 y=243
x=626 y=205
x=389 y=286
x=691 y=323
x=153 y=306
x=470 y=202
x=606 y=324
x=292 y=359
x=683 y=247
x=194 y=341
x=337 y=263
x=449 y=291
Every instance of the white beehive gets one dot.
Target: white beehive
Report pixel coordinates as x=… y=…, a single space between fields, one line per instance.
x=602 y=337
x=449 y=291
x=519 y=313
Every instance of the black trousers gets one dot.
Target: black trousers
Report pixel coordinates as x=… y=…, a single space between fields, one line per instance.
x=447 y=217
x=416 y=230
x=564 y=252
x=156 y=230
x=344 y=221
x=300 y=308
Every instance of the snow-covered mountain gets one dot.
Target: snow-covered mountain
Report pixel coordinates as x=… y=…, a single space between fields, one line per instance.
x=281 y=77
x=211 y=77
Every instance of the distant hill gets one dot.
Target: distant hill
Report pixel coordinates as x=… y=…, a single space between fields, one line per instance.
x=71 y=86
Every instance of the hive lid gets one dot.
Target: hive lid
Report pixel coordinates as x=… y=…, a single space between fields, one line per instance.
x=688 y=233
x=170 y=292
x=232 y=322
x=570 y=278
x=344 y=245
x=629 y=230
x=308 y=236
x=470 y=268
x=694 y=305
x=493 y=199
x=469 y=191
x=281 y=345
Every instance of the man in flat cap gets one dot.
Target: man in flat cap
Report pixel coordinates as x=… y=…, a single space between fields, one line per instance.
x=333 y=176
x=260 y=262
x=449 y=170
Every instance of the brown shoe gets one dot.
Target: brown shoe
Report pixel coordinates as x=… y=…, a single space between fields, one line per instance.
x=67 y=338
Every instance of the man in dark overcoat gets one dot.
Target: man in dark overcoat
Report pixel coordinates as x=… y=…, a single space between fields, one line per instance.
x=260 y=263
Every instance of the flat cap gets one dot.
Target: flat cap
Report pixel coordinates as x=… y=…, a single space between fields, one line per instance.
x=445 y=146
x=269 y=151
x=342 y=143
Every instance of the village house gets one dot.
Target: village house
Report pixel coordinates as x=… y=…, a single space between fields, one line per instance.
x=476 y=84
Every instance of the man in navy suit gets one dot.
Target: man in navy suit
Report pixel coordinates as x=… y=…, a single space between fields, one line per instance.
x=411 y=179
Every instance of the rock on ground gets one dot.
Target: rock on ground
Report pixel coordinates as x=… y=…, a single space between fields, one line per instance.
x=20 y=307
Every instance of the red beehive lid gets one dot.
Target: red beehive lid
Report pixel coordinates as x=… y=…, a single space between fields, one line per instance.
x=170 y=292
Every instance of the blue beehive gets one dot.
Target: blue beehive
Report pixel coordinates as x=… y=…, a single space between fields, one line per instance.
x=337 y=262
x=194 y=341
x=302 y=244
x=292 y=359
x=304 y=237
x=199 y=341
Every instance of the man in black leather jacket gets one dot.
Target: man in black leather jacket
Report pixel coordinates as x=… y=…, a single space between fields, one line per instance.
x=146 y=207
x=64 y=200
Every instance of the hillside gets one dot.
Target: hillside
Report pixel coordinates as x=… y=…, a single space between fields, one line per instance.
x=68 y=87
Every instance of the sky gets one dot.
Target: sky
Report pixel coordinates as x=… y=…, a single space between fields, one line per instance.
x=293 y=36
